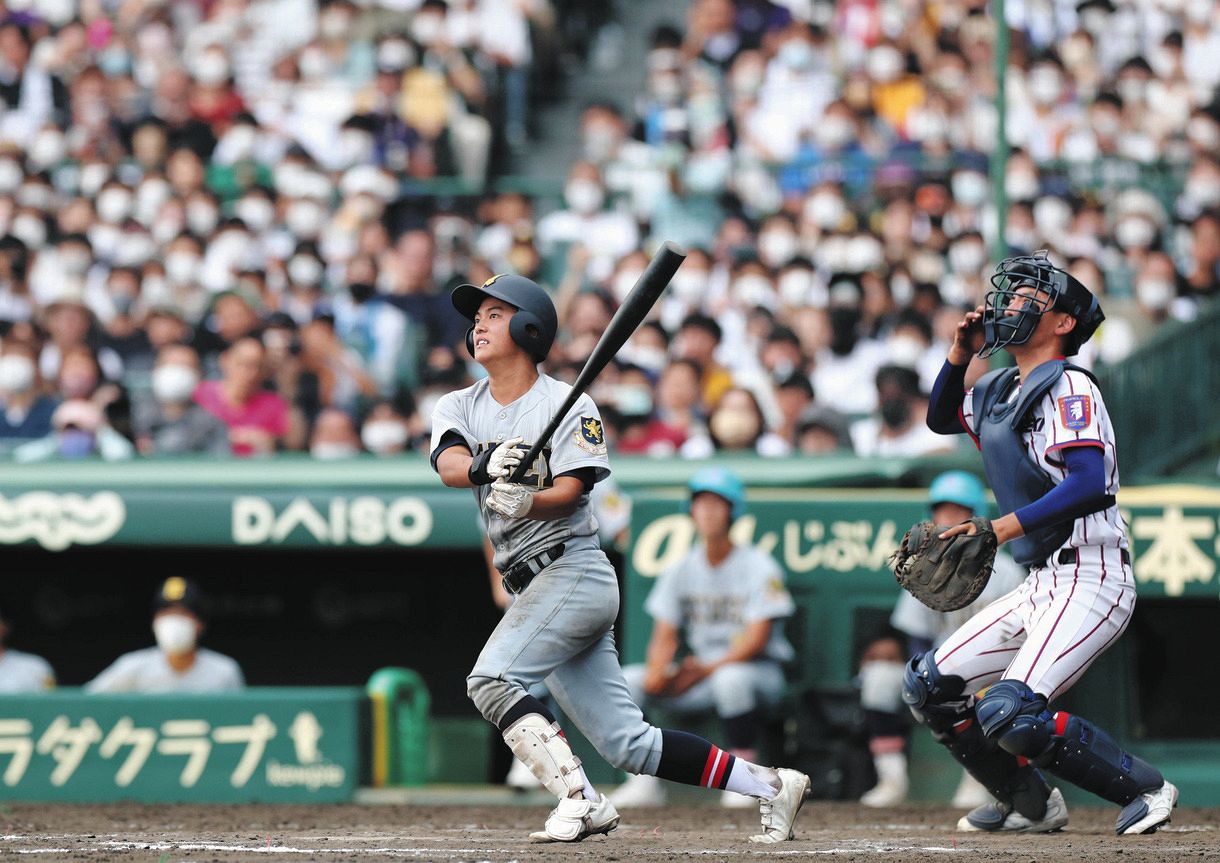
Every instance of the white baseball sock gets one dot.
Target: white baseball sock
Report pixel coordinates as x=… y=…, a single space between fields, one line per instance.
x=753 y=780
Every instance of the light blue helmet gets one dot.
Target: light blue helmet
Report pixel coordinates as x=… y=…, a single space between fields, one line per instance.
x=961 y=488
x=723 y=483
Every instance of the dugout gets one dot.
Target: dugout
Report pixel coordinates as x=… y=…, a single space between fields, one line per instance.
x=321 y=573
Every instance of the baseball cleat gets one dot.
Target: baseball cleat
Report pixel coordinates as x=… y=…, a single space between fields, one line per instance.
x=997 y=817
x=576 y=818
x=779 y=813
x=1146 y=813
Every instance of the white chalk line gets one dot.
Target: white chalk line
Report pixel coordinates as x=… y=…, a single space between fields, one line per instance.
x=116 y=845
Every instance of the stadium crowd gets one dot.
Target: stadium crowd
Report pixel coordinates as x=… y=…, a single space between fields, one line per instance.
x=220 y=232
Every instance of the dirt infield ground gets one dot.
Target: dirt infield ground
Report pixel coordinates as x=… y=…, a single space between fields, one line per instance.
x=845 y=832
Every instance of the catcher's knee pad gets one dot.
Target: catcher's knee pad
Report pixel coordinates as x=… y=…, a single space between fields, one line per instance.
x=542 y=748
x=945 y=709
x=937 y=700
x=1017 y=719
x=1088 y=757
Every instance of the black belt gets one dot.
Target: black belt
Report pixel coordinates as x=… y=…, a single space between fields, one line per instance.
x=1068 y=556
x=518 y=576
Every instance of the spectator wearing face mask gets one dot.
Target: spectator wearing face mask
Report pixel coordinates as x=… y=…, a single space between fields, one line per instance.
x=640 y=431
x=898 y=429
x=78 y=430
x=170 y=423
x=849 y=358
x=177 y=663
x=606 y=234
x=122 y=331
x=736 y=425
x=386 y=432
x=25 y=413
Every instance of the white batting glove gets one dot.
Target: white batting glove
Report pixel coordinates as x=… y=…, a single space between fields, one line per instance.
x=505 y=458
x=509 y=500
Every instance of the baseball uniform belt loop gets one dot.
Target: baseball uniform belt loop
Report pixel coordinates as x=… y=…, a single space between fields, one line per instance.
x=518 y=576
x=1069 y=556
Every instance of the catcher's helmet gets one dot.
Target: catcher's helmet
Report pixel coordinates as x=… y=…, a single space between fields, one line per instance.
x=532 y=327
x=722 y=483
x=1004 y=324
x=959 y=487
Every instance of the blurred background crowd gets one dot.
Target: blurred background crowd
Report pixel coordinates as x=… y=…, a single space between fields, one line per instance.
x=231 y=226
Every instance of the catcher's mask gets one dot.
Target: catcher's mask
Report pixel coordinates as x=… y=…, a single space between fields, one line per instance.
x=1007 y=323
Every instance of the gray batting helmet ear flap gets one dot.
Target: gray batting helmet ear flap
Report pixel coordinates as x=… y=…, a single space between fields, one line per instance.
x=533 y=326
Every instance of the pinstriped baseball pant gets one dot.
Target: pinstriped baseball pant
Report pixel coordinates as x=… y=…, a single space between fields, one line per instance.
x=1049 y=630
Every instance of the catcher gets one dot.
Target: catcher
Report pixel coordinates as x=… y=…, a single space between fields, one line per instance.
x=1048 y=452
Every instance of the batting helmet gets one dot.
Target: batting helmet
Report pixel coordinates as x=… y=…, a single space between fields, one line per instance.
x=959 y=487
x=532 y=327
x=722 y=483
x=1005 y=324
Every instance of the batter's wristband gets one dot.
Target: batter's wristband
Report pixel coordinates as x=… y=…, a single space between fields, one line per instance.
x=478 y=467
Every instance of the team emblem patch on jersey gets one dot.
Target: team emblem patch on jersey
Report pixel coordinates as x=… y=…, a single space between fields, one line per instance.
x=590 y=436
x=1075 y=412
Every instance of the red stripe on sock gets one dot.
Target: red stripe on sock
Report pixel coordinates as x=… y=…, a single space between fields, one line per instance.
x=1022 y=760
x=721 y=770
x=959 y=727
x=709 y=766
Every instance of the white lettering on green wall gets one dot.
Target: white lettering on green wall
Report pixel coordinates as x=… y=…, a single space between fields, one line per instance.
x=801 y=546
x=362 y=520
x=56 y=521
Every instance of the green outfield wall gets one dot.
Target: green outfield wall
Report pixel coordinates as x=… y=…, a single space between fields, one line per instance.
x=259 y=745
x=389 y=530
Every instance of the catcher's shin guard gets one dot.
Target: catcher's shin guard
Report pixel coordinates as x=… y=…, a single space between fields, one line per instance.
x=939 y=702
x=1068 y=746
x=542 y=748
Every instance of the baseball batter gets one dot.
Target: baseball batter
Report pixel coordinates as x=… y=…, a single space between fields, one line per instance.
x=1048 y=452
x=559 y=628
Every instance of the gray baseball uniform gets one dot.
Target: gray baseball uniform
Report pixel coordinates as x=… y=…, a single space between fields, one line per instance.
x=578 y=443
x=148 y=670
x=24 y=672
x=560 y=628
x=713 y=605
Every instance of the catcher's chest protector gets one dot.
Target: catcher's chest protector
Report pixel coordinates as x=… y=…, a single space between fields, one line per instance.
x=1014 y=476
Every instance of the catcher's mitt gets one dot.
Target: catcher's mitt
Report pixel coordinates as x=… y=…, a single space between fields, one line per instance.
x=945 y=574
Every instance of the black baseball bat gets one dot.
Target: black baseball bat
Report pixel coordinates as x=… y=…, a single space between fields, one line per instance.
x=626 y=320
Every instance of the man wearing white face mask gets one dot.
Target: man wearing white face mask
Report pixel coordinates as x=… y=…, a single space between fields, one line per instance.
x=177 y=663
x=24 y=414
x=608 y=235
x=171 y=424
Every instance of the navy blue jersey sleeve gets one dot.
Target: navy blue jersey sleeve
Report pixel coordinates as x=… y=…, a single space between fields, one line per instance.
x=945 y=402
x=1081 y=493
